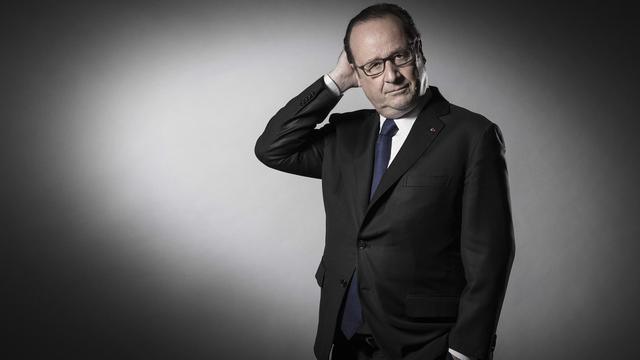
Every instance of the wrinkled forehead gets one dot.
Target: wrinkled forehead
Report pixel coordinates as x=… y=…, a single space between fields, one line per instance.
x=377 y=38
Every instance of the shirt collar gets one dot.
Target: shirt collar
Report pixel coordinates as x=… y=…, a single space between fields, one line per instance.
x=405 y=122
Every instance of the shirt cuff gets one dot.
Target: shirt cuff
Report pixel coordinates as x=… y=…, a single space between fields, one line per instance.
x=331 y=85
x=458 y=355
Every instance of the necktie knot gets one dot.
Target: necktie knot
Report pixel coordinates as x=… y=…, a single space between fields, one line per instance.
x=389 y=128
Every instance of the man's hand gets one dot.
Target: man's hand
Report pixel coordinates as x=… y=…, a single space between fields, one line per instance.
x=344 y=74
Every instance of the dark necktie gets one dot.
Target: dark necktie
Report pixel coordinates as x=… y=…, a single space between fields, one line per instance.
x=352 y=315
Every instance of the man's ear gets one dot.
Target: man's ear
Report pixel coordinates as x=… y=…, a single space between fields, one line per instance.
x=355 y=70
x=422 y=72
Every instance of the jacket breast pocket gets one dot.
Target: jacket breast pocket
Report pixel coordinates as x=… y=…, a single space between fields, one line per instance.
x=435 y=307
x=320 y=274
x=418 y=180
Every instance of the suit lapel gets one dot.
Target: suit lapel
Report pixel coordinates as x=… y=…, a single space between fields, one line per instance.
x=423 y=132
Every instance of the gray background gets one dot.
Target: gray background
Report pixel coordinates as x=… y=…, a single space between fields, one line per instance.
x=137 y=222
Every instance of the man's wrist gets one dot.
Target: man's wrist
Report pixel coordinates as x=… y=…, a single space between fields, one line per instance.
x=331 y=85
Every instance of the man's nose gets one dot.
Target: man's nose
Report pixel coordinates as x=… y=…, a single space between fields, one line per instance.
x=391 y=72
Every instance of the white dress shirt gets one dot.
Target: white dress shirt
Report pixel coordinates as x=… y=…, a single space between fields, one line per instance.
x=404 y=125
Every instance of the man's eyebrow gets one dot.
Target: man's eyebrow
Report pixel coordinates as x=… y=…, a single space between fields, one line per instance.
x=391 y=53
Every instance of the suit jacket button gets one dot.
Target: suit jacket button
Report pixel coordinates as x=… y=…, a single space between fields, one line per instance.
x=362 y=244
x=343 y=282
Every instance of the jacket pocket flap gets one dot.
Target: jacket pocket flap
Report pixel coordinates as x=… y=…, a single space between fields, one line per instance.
x=423 y=306
x=320 y=274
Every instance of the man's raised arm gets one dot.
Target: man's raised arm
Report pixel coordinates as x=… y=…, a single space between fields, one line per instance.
x=290 y=142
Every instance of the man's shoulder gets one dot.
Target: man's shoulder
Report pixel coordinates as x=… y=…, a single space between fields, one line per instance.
x=467 y=120
x=462 y=120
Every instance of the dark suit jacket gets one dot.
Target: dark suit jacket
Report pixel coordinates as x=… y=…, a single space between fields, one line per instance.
x=434 y=246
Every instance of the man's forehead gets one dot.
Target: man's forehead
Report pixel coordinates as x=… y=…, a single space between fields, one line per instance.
x=376 y=38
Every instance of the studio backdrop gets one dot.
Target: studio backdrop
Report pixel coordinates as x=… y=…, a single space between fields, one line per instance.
x=138 y=224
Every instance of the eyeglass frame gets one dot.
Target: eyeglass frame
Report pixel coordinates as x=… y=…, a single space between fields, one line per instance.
x=410 y=49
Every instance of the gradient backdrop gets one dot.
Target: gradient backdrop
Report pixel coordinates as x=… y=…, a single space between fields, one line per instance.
x=137 y=223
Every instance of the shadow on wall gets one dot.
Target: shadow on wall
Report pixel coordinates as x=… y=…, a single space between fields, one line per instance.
x=75 y=297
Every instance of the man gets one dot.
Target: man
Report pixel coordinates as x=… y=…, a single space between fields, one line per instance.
x=419 y=236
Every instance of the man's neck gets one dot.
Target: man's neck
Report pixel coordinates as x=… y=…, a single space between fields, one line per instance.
x=416 y=109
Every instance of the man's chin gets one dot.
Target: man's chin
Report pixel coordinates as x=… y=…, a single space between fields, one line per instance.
x=397 y=109
x=395 y=112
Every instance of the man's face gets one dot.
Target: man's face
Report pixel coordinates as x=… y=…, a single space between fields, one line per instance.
x=394 y=92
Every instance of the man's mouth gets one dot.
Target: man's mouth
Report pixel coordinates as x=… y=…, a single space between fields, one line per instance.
x=398 y=90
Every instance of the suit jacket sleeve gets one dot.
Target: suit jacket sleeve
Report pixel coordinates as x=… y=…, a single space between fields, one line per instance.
x=487 y=246
x=291 y=142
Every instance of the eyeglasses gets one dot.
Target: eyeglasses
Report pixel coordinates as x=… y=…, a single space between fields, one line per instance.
x=376 y=67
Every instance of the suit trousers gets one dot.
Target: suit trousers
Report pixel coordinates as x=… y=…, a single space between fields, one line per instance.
x=362 y=347
x=359 y=347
